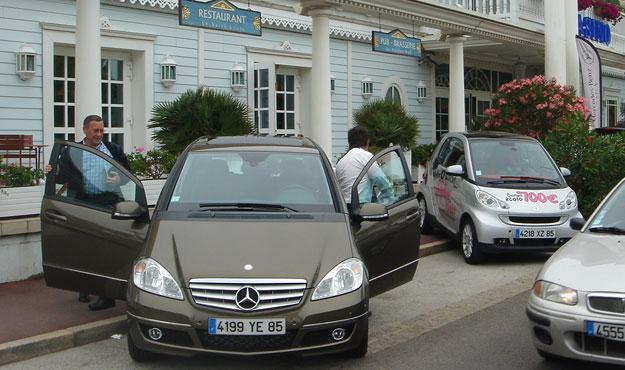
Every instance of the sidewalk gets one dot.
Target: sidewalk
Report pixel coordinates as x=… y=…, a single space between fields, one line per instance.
x=36 y=320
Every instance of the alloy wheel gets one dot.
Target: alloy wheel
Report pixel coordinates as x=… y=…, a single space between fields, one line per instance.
x=467 y=240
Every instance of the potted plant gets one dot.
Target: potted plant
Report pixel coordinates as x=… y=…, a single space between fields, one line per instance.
x=20 y=187
x=421 y=154
x=152 y=168
x=608 y=10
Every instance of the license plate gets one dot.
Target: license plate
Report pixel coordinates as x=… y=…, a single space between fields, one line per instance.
x=217 y=326
x=609 y=331
x=534 y=233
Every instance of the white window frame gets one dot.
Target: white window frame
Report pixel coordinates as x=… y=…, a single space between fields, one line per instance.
x=395 y=81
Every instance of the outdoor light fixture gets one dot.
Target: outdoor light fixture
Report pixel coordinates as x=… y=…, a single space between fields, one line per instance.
x=519 y=69
x=168 y=71
x=25 y=62
x=237 y=77
x=422 y=91
x=367 y=87
x=332 y=84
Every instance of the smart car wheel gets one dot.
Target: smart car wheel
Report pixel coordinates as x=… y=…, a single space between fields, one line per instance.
x=470 y=248
x=426 y=219
x=138 y=354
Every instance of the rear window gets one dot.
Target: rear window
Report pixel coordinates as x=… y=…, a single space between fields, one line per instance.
x=293 y=180
x=523 y=163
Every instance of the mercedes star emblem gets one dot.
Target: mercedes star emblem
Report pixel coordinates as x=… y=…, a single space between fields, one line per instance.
x=247 y=298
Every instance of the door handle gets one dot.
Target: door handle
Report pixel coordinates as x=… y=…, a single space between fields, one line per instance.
x=56 y=216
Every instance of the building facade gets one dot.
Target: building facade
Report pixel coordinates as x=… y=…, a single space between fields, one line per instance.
x=471 y=47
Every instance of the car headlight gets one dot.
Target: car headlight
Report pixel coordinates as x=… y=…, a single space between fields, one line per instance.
x=150 y=276
x=569 y=202
x=344 y=278
x=555 y=293
x=490 y=201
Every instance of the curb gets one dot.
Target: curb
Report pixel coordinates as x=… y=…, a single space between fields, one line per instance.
x=23 y=349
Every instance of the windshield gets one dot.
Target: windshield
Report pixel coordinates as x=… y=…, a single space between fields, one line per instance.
x=252 y=181
x=513 y=163
x=611 y=217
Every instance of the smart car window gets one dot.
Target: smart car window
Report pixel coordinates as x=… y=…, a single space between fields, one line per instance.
x=386 y=182
x=454 y=153
x=442 y=153
x=517 y=163
x=293 y=180
x=86 y=178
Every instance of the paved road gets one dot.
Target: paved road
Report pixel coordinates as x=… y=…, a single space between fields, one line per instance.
x=444 y=290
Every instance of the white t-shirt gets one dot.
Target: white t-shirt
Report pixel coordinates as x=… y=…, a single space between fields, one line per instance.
x=349 y=167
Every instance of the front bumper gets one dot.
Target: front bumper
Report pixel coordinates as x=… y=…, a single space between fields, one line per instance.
x=184 y=326
x=495 y=235
x=560 y=330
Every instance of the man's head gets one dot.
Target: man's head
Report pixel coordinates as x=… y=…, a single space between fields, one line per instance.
x=358 y=137
x=93 y=127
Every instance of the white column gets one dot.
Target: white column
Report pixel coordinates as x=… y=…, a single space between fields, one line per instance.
x=572 y=59
x=200 y=57
x=456 y=84
x=320 y=107
x=555 y=40
x=88 y=90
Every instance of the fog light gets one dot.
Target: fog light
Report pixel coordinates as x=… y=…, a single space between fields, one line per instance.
x=338 y=334
x=155 y=333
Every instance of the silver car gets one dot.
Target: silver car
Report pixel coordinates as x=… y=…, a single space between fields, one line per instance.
x=497 y=192
x=577 y=308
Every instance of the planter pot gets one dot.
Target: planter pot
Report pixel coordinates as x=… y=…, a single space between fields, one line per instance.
x=21 y=201
x=153 y=189
x=417 y=173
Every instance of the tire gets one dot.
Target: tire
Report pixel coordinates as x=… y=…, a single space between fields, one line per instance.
x=471 y=251
x=363 y=346
x=426 y=219
x=138 y=354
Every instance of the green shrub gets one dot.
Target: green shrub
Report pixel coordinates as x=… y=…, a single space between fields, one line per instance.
x=387 y=123
x=151 y=165
x=14 y=176
x=596 y=162
x=422 y=153
x=197 y=113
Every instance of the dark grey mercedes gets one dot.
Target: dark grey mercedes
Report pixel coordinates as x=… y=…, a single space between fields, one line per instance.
x=251 y=248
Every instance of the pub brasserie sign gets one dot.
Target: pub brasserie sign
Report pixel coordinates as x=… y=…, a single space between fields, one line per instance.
x=219 y=15
x=396 y=42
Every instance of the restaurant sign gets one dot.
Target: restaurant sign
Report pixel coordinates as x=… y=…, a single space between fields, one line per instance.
x=396 y=42
x=219 y=15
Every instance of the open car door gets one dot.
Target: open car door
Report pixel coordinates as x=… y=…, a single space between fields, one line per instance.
x=385 y=219
x=88 y=245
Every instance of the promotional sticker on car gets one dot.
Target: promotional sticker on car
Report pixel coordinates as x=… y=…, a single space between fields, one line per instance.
x=532 y=197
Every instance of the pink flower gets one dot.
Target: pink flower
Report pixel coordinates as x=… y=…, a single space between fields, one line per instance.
x=502 y=101
x=139 y=149
x=549 y=114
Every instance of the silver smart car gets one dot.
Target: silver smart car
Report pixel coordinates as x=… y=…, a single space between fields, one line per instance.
x=497 y=192
x=577 y=308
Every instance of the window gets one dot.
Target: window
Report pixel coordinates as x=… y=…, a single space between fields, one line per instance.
x=64 y=102
x=285 y=104
x=611 y=112
x=392 y=94
x=112 y=71
x=90 y=179
x=261 y=100
x=442 y=117
x=386 y=181
x=454 y=153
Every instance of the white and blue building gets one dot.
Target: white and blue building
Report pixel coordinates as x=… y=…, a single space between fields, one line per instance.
x=313 y=63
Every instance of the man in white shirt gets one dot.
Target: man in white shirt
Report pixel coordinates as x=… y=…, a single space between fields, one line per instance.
x=351 y=164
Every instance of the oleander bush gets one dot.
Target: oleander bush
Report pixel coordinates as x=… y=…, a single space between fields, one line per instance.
x=153 y=164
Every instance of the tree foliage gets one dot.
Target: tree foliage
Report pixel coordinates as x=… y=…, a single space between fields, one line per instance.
x=196 y=113
x=387 y=123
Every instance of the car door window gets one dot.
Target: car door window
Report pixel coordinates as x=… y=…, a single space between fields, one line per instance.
x=442 y=154
x=454 y=154
x=385 y=182
x=89 y=177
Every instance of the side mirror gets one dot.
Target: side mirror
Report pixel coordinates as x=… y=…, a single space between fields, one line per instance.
x=455 y=170
x=127 y=210
x=372 y=212
x=577 y=223
x=565 y=171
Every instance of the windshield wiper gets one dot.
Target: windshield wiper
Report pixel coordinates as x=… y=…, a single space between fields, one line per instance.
x=607 y=229
x=246 y=207
x=523 y=179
